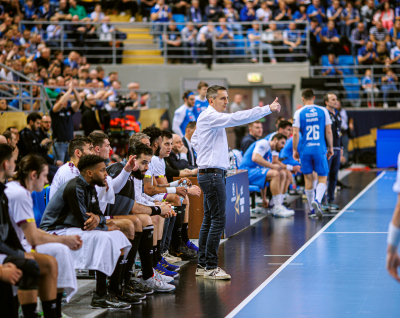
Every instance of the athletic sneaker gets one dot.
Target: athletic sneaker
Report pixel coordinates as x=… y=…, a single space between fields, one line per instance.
x=130 y=291
x=163 y=271
x=325 y=207
x=200 y=270
x=281 y=212
x=169 y=266
x=157 y=285
x=171 y=259
x=190 y=245
x=127 y=298
x=312 y=214
x=108 y=301
x=216 y=273
x=183 y=253
x=139 y=288
x=163 y=278
x=333 y=207
x=317 y=208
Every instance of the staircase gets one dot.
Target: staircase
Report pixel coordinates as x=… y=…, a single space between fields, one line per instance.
x=139 y=44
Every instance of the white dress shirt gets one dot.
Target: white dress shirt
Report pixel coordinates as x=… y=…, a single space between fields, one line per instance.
x=209 y=140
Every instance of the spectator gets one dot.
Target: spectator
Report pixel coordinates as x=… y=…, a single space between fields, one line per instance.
x=213 y=12
x=397 y=12
x=315 y=10
x=17 y=66
x=11 y=138
x=89 y=122
x=378 y=34
x=395 y=32
x=330 y=37
x=254 y=37
x=25 y=39
x=247 y=14
x=43 y=132
x=174 y=43
x=112 y=94
x=180 y=6
x=161 y=12
x=387 y=16
x=395 y=53
x=179 y=154
x=41 y=74
x=367 y=14
x=97 y=15
x=54 y=35
x=189 y=35
x=293 y=39
x=164 y=125
x=300 y=15
x=29 y=102
x=146 y=7
x=238 y=105
x=255 y=133
x=334 y=13
x=224 y=38
x=232 y=17
x=194 y=14
x=6 y=74
x=76 y=9
x=62 y=123
x=369 y=88
x=350 y=17
x=273 y=37
x=263 y=13
x=389 y=89
x=44 y=59
x=383 y=53
x=367 y=54
x=51 y=91
x=190 y=128
x=204 y=40
x=55 y=71
x=283 y=12
x=4 y=107
x=45 y=12
x=359 y=37
x=62 y=13
x=315 y=41
x=29 y=11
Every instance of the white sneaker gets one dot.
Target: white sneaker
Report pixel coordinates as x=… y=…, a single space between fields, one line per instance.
x=281 y=212
x=171 y=259
x=287 y=209
x=385 y=105
x=398 y=105
x=216 y=273
x=163 y=278
x=157 y=285
x=200 y=271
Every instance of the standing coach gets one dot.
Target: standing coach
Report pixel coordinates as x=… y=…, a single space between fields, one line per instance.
x=210 y=142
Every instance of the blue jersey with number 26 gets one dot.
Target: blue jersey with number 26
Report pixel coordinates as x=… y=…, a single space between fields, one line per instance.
x=311 y=121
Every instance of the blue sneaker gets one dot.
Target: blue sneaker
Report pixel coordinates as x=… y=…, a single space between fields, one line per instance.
x=170 y=267
x=312 y=214
x=191 y=246
x=317 y=208
x=163 y=271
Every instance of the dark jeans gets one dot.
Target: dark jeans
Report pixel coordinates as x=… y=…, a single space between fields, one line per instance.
x=167 y=233
x=334 y=165
x=214 y=221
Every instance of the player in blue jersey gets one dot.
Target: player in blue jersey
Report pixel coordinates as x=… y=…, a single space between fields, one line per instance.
x=257 y=160
x=286 y=154
x=316 y=146
x=184 y=114
x=200 y=103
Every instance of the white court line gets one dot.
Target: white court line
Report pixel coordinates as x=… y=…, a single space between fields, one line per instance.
x=279 y=255
x=283 y=263
x=355 y=232
x=234 y=312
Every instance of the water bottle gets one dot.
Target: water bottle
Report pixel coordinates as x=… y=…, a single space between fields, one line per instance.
x=232 y=164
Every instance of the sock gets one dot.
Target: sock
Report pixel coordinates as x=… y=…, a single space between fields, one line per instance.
x=115 y=279
x=101 y=284
x=155 y=259
x=176 y=239
x=159 y=256
x=310 y=197
x=185 y=235
x=130 y=260
x=314 y=184
x=282 y=196
x=277 y=200
x=321 y=188
x=58 y=305
x=146 y=251
x=49 y=308
x=29 y=310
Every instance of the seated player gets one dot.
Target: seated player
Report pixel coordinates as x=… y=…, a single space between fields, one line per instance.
x=286 y=156
x=30 y=272
x=316 y=144
x=74 y=209
x=258 y=161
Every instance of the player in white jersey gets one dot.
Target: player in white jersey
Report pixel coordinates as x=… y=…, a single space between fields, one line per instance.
x=200 y=102
x=316 y=146
x=31 y=177
x=393 y=240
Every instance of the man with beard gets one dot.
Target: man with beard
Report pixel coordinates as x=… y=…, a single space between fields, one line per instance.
x=43 y=131
x=75 y=209
x=184 y=114
x=258 y=161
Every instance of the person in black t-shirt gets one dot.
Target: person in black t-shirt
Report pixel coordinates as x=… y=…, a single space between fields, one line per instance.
x=255 y=133
x=89 y=121
x=63 y=126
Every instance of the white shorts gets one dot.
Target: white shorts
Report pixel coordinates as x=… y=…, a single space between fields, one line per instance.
x=159 y=197
x=100 y=249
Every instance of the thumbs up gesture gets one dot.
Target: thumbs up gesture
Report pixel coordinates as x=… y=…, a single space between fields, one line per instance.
x=275 y=106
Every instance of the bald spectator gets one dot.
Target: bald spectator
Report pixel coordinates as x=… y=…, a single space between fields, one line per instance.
x=179 y=154
x=134 y=86
x=43 y=131
x=93 y=74
x=88 y=120
x=60 y=81
x=3 y=140
x=44 y=59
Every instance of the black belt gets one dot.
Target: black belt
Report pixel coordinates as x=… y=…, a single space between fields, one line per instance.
x=212 y=170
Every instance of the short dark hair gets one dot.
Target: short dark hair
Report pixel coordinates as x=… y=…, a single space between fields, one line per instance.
x=279 y=136
x=77 y=143
x=153 y=132
x=98 y=138
x=202 y=84
x=284 y=123
x=11 y=127
x=166 y=134
x=307 y=94
x=326 y=97
x=191 y=125
x=7 y=134
x=138 y=149
x=6 y=152
x=33 y=116
x=88 y=162
x=186 y=94
x=27 y=164
x=212 y=91
x=59 y=96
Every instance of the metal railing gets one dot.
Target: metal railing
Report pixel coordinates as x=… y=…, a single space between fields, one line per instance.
x=350 y=89
x=135 y=40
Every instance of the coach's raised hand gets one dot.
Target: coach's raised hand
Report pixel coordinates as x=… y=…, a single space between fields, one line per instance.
x=275 y=106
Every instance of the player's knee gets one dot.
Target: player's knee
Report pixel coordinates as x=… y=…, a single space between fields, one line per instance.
x=146 y=220
x=137 y=223
x=274 y=174
x=174 y=199
x=49 y=266
x=154 y=219
x=30 y=272
x=282 y=174
x=185 y=200
x=129 y=229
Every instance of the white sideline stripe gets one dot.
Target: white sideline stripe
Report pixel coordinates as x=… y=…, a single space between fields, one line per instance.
x=283 y=263
x=279 y=255
x=355 y=233
x=235 y=311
